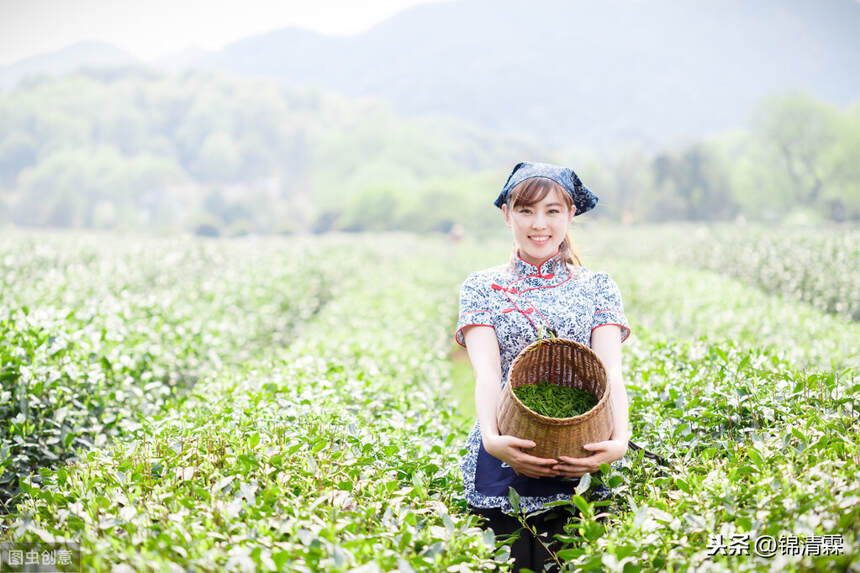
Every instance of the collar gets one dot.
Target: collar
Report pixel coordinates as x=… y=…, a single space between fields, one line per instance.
x=548 y=268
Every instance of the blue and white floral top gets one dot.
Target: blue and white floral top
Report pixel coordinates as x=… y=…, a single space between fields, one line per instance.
x=521 y=302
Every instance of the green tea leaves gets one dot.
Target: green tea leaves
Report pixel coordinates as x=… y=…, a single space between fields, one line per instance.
x=555 y=401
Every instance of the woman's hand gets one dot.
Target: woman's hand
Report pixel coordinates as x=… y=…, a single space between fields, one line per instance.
x=508 y=449
x=605 y=452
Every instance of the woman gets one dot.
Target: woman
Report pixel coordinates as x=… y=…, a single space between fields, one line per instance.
x=544 y=289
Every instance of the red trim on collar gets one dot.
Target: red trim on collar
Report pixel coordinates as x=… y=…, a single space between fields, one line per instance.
x=525 y=290
x=514 y=290
x=541 y=263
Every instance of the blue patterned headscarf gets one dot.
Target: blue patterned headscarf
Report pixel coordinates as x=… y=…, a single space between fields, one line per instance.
x=583 y=198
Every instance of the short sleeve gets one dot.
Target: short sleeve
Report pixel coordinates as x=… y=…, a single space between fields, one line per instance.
x=474 y=307
x=608 y=308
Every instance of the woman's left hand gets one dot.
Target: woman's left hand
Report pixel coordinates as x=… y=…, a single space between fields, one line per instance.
x=604 y=452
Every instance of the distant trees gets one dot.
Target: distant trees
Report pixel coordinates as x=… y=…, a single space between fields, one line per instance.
x=224 y=154
x=228 y=156
x=691 y=184
x=811 y=149
x=66 y=186
x=18 y=150
x=800 y=156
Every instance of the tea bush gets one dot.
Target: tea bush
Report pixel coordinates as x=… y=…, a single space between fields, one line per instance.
x=817 y=266
x=95 y=335
x=312 y=428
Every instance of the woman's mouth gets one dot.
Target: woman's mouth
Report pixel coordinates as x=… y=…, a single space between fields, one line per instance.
x=540 y=239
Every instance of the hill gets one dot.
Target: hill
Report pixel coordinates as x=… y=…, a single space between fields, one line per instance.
x=574 y=72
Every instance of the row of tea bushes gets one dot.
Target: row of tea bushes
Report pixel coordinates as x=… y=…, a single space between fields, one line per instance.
x=684 y=303
x=821 y=268
x=817 y=266
x=95 y=335
x=757 y=448
x=753 y=399
x=334 y=453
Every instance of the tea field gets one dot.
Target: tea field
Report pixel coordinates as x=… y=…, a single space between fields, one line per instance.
x=298 y=403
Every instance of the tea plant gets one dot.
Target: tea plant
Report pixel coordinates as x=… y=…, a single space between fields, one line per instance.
x=758 y=448
x=307 y=422
x=334 y=452
x=96 y=335
x=817 y=266
x=687 y=303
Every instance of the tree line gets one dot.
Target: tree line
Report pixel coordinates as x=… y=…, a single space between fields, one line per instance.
x=214 y=154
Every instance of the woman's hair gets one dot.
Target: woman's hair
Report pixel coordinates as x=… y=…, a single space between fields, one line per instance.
x=530 y=192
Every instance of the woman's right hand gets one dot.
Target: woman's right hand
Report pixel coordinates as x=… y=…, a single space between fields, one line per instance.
x=508 y=449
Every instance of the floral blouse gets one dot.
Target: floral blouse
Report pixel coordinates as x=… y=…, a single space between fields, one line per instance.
x=523 y=302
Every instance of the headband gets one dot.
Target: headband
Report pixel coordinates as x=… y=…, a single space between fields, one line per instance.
x=583 y=198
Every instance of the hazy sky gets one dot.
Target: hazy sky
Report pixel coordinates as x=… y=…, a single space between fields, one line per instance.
x=152 y=28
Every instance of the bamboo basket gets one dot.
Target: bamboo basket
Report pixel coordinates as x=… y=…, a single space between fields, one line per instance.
x=566 y=363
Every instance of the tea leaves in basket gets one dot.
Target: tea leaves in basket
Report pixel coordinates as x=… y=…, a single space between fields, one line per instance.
x=555 y=401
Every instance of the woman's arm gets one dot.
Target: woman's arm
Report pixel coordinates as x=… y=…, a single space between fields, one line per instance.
x=606 y=344
x=483 y=348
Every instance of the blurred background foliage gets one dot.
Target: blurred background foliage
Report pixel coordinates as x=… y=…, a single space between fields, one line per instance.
x=131 y=148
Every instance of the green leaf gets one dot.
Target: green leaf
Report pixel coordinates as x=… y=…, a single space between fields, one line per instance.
x=661 y=515
x=559 y=503
x=514 y=498
x=568 y=554
x=581 y=504
x=583 y=485
x=754 y=455
x=281 y=558
x=489 y=538
x=503 y=554
x=446 y=521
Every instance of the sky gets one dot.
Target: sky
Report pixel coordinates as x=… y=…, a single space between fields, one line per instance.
x=150 y=29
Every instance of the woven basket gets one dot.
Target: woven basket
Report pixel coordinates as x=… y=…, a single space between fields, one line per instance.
x=566 y=363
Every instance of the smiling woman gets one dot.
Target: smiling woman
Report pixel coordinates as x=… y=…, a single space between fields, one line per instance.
x=544 y=289
x=540 y=212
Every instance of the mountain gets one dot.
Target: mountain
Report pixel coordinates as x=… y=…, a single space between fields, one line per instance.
x=578 y=71
x=81 y=55
x=573 y=72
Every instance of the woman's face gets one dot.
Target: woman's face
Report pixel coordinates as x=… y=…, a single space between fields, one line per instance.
x=539 y=229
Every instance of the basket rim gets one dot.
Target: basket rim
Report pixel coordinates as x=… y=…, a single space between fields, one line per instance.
x=585 y=416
